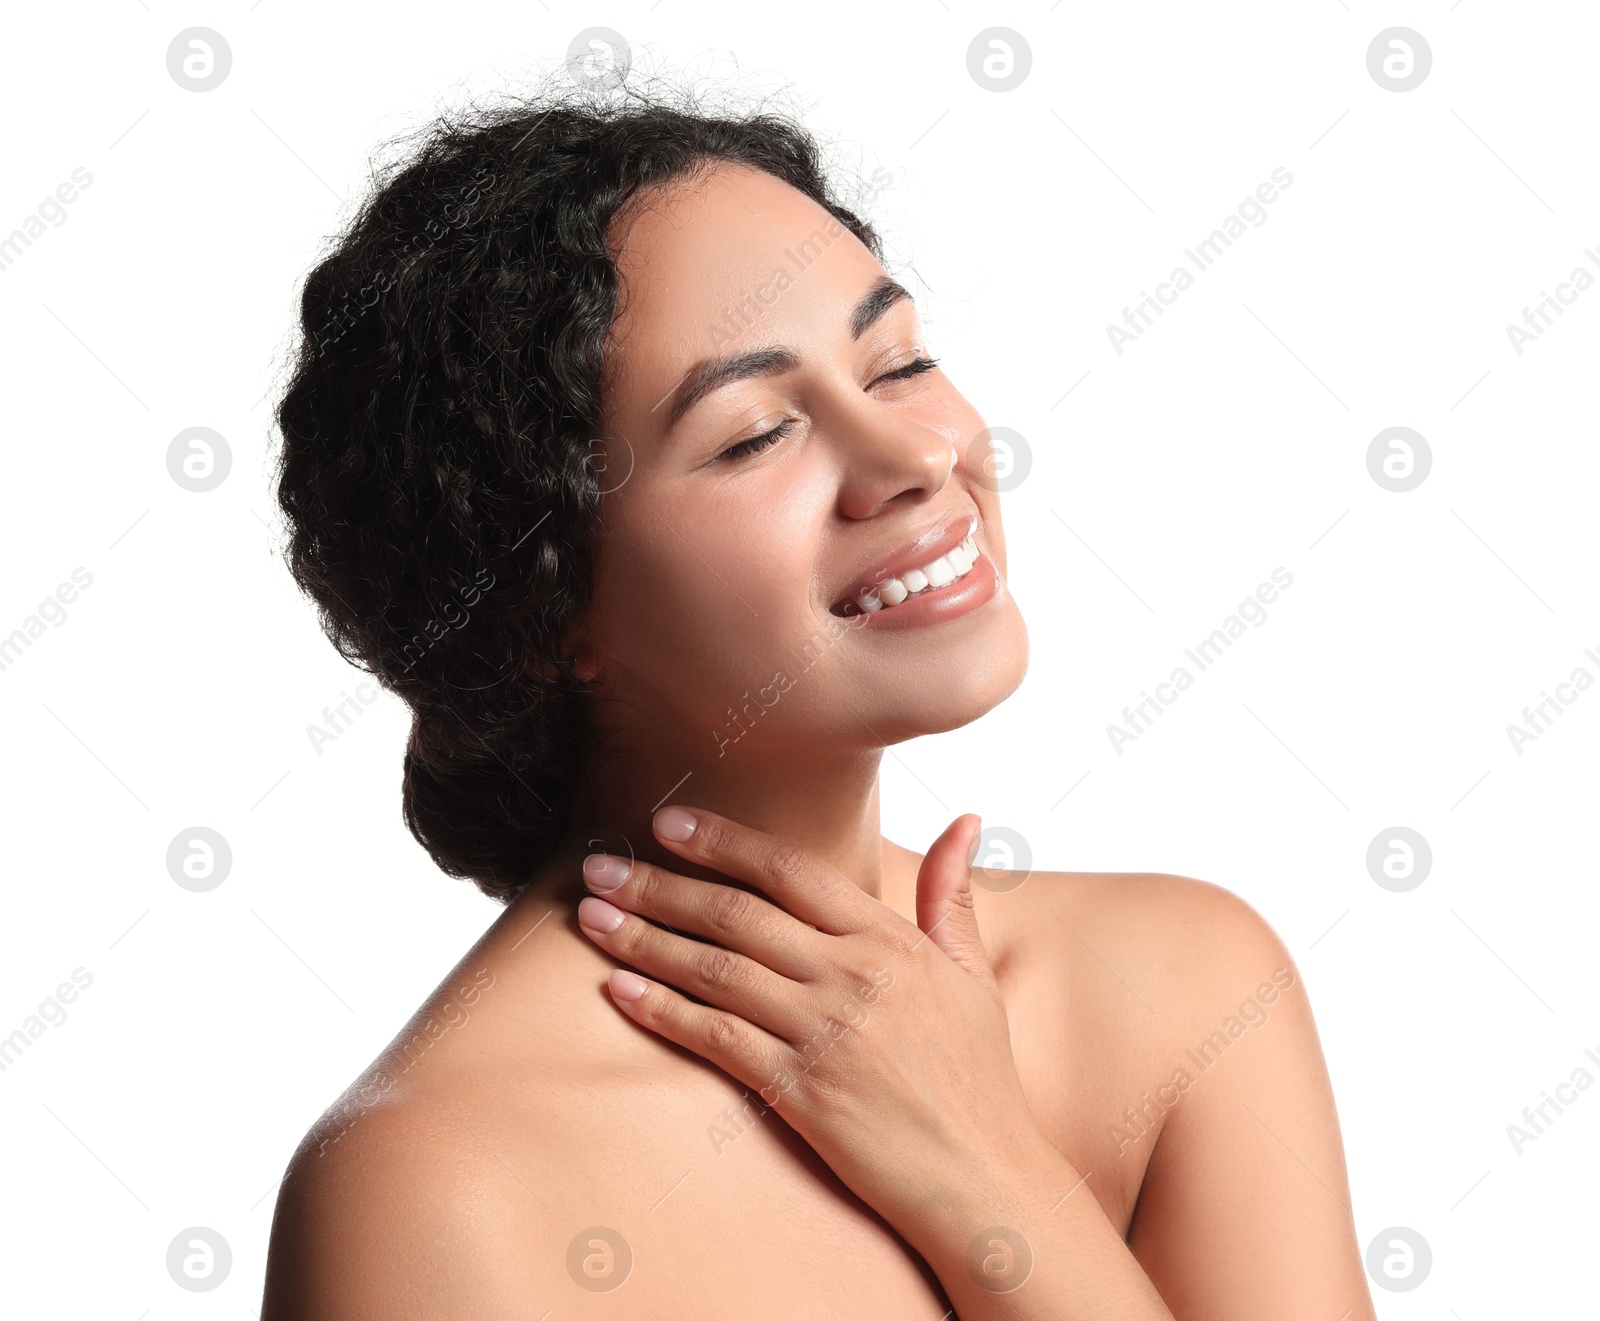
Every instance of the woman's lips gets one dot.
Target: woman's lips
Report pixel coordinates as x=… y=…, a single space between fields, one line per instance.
x=944 y=549
x=889 y=593
x=935 y=605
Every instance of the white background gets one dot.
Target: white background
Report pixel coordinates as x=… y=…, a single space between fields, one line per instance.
x=1166 y=482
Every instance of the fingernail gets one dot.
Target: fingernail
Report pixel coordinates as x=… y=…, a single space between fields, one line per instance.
x=598 y=915
x=604 y=872
x=675 y=823
x=626 y=985
x=977 y=839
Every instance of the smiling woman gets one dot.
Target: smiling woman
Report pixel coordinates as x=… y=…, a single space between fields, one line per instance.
x=679 y=479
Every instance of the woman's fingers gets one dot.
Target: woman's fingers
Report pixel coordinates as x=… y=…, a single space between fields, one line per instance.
x=791 y=876
x=735 y=919
x=731 y=1042
x=722 y=978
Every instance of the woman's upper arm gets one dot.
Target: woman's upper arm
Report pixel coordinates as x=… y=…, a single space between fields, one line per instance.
x=403 y=1214
x=1245 y=1209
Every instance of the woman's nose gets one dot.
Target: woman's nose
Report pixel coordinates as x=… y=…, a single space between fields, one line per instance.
x=885 y=456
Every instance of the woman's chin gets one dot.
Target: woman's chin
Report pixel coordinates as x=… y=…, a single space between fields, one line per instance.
x=938 y=702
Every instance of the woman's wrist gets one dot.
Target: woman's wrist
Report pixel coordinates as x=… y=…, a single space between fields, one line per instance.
x=976 y=1193
x=1023 y=1237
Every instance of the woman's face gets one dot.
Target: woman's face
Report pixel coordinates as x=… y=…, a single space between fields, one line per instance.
x=767 y=457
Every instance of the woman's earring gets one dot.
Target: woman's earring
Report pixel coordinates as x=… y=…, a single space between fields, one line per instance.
x=584 y=664
x=549 y=671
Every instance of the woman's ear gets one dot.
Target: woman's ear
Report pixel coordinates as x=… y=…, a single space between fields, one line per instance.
x=585 y=656
x=580 y=659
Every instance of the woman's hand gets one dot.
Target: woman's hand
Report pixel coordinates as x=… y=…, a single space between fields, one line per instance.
x=884 y=1045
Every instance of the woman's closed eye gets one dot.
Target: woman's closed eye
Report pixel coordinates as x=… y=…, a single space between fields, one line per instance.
x=755 y=444
x=915 y=367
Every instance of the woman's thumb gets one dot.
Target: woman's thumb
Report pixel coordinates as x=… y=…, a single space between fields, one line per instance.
x=944 y=896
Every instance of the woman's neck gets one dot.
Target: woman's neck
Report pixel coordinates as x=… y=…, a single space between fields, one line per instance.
x=830 y=810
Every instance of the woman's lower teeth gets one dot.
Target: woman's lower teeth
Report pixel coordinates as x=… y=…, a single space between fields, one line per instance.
x=941 y=573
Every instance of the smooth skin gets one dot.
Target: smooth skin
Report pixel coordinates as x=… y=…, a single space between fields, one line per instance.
x=983 y=1114
x=923 y=1116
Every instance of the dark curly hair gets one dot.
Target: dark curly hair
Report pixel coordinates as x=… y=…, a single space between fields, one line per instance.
x=438 y=470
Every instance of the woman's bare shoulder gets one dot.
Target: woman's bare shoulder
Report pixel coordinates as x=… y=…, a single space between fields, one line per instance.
x=1227 y=1111
x=426 y=1188
x=1156 y=910
x=1124 y=947
x=1137 y=956
x=1166 y=936
x=387 y=1210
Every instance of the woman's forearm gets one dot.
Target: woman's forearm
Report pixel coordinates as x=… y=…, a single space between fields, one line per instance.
x=1027 y=1241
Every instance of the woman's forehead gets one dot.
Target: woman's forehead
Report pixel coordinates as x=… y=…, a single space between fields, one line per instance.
x=733 y=257
x=694 y=252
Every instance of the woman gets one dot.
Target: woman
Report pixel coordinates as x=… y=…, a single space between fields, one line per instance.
x=613 y=449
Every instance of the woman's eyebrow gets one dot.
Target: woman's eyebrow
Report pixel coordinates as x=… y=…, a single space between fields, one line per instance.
x=713 y=373
x=879 y=299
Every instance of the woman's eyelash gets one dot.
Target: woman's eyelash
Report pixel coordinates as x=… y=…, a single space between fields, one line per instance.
x=758 y=443
x=913 y=368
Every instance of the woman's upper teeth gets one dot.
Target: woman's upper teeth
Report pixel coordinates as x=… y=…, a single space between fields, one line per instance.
x=941 y=573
